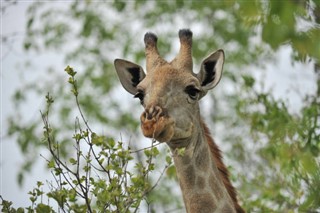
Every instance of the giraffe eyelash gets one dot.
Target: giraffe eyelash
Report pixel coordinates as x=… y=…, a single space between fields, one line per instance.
x=140 y=95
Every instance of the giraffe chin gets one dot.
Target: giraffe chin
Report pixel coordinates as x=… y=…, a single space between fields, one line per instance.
x=161 y=129
x=182 y=135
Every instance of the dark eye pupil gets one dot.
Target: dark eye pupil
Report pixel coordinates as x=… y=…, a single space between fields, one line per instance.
x=192 y=92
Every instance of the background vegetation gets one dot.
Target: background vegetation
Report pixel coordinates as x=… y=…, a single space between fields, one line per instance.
x=273 y=151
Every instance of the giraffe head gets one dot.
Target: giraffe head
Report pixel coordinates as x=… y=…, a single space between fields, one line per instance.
x=170 y=91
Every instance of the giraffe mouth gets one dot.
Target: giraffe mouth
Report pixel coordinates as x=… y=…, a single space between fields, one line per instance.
x=160 y=128
x=164 y=129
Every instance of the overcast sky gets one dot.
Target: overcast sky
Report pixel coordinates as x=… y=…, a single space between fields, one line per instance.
x=12 y=58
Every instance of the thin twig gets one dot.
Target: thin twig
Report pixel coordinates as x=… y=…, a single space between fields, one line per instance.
x=149 y=147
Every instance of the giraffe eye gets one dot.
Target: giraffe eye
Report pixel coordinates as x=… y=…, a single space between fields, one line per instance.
x=192 y=91
x=140 y=95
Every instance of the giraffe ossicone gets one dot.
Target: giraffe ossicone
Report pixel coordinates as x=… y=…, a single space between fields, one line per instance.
x=170 y=94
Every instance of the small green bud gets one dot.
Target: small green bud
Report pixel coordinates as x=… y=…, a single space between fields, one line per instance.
x=70 y=71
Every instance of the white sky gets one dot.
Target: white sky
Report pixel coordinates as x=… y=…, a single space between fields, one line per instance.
x=13 y=21
x=281 y=77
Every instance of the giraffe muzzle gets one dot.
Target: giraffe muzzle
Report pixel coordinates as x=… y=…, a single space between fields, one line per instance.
x=155 y=123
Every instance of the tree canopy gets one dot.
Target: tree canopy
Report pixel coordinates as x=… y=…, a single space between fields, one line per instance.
x=272 y=151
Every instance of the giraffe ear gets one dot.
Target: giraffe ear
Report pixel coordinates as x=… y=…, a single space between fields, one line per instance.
x=211 y=70
x=130 y=74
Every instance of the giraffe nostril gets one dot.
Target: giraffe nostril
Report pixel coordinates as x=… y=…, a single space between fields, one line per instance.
x=154 y=112
x=149 y=113
x=149 y=116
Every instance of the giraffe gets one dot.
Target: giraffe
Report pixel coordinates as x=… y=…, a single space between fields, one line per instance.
x=170 y=94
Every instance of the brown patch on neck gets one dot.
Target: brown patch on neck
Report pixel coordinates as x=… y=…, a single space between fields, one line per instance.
x=222 y=168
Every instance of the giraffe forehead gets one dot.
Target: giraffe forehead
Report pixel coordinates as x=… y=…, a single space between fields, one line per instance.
x=168 y=77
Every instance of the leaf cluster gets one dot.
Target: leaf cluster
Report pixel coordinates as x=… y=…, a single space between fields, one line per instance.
x=288 y=150
x=101 y=176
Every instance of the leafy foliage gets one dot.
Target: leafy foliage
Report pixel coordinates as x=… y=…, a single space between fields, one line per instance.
x=288 y=149
x=99 y=177
x=274 y=151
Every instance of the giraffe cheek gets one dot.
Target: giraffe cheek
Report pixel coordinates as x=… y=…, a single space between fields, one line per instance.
x=167 y=133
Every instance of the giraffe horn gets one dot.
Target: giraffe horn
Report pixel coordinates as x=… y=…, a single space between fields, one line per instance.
x=184 y=58
x=153 y=58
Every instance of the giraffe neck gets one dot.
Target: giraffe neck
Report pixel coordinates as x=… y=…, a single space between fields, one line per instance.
x=200 y=176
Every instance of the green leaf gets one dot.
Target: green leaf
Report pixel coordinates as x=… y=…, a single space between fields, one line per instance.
x=70 y=71
x=71 y=80
x=43 y=208
x=57 y=171
x=147 y=153
x=155 y=151
x=248 y=81
x=20 y=210
x=309 y=164
x=111 y=142
x=73 y=161
x=51 y=164
x=181 y=151
x=168 y=160
x=77 y=136
x=75 y=92
x=39 y=183
x=171 y=172
x=86 y=168
x=98 y=140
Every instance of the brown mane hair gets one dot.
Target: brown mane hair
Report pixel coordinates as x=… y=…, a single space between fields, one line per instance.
x=222 y=168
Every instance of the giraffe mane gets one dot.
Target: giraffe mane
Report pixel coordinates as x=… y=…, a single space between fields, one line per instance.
x=216 y=152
